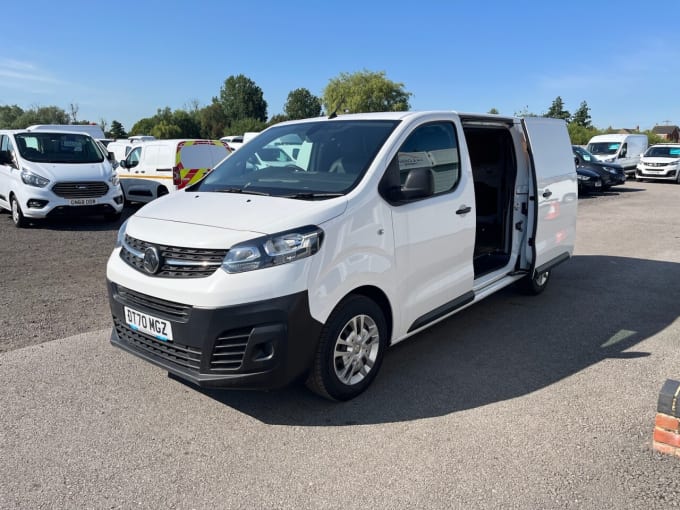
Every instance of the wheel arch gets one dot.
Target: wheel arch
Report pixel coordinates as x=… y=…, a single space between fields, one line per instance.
x=376 y=295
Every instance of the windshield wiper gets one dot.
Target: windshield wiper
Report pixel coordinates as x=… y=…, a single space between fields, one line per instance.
x=241 y=190
x=312 y=196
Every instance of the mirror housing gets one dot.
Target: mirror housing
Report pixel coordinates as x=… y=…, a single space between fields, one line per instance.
x=110 y=156
x=122 y=163
x=419 y=184
x=6 y=158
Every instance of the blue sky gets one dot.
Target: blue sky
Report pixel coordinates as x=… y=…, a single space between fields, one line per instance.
x=125 y=60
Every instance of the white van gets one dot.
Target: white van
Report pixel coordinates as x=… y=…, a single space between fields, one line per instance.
x=233 y=142
x=45 y=174
x=660 y=162
x=622 y=149
x=258 y=275
x=93 y=130
x=154 y=168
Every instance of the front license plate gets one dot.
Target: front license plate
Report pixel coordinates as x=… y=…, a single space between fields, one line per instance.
x=83 y=201
x=153 y=326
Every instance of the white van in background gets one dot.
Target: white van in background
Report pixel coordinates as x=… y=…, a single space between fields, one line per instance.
x=154 y=168
x=56 y=173
x=234 y=142
x=622 y=149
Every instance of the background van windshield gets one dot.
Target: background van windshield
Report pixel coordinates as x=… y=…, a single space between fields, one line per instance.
x=316 y=159
x=604 y=147
x=663 y=152
x=58 y=148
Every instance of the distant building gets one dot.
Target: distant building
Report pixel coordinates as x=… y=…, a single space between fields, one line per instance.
x=670 y=133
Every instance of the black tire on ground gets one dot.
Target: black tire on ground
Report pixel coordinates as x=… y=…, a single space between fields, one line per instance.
x=17 y=215
x=534 y=285
x=350 y=351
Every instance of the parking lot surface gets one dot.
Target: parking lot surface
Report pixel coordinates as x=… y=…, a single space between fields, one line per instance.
x=516 y=402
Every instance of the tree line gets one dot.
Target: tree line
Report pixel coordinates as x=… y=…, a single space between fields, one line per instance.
x=579 y=124
x=240 y=107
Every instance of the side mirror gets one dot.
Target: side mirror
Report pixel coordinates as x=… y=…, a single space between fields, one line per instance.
x=122 y=163
x=419 y=184
x=110 y=156
x=576 y=160
x=6 y=158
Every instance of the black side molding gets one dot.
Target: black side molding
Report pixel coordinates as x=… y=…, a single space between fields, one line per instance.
x=552 y=263
x=439 y=312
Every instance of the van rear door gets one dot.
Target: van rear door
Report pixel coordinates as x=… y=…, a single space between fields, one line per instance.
x=555 y=192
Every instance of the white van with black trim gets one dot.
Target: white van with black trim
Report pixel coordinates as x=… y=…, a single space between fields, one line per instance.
x=155 y=168
x=259 y=275
x=44 y=174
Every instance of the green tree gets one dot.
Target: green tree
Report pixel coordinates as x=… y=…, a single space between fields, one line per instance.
x=238 y=127
x=189 y=125
x=365 y=91
x=166 y=130
x=582 y=116
x=277 y=118
x=524 y=112
x=9 y=115
x=143 y=126
x=41 y=115
x=242 y=99
x=302 y=104
x=557 y=111
x=494 y=111
x=580 y=135
x=117 y=130
x=214 y=123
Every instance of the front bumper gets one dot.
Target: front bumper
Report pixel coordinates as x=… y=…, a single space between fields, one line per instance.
x=261 y=345
x=662 y=175
x=38 y=203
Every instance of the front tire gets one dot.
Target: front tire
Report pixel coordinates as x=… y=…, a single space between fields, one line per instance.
x=351 y=349
x=534 y=285
x=17 y=215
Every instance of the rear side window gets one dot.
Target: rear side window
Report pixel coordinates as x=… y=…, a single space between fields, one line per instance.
x=433 y=146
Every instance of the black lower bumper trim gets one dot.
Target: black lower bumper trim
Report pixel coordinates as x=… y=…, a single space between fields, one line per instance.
x=261 y=345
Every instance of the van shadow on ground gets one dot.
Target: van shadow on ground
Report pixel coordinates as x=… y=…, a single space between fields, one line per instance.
x=94 y=223
x=509 y=345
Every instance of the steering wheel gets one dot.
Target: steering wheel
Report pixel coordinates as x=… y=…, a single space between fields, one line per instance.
x=337 y=167
x=294 y=168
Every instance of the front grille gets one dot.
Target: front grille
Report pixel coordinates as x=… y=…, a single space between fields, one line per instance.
x=230 y=347
x=163 y=308
x=80 y=189
x=176 y=262
x=654 y=165
x=186 y=356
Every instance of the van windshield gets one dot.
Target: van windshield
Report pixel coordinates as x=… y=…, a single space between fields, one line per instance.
x=663 y=152
x=604 y=147
x=58 y=148
x=309 y=160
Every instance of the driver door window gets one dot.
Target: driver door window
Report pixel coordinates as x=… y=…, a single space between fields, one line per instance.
x=133 y=158
x=432 y=146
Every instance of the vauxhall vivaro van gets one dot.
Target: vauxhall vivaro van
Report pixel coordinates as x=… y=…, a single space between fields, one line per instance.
x=51 y=173
x=260 y=274
x=154 y=168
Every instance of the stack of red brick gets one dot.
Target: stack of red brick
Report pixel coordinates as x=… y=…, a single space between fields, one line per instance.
x=667 y=423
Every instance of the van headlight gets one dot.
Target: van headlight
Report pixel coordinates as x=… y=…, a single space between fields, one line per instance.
x=114 y=179
x=273 y=250
x=121 y=235
x=32 y=179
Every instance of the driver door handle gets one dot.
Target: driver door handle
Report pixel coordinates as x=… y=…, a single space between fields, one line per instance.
x=464 y=209
x=547 y=193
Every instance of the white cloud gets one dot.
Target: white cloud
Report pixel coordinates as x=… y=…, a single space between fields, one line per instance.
x=16 y=74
